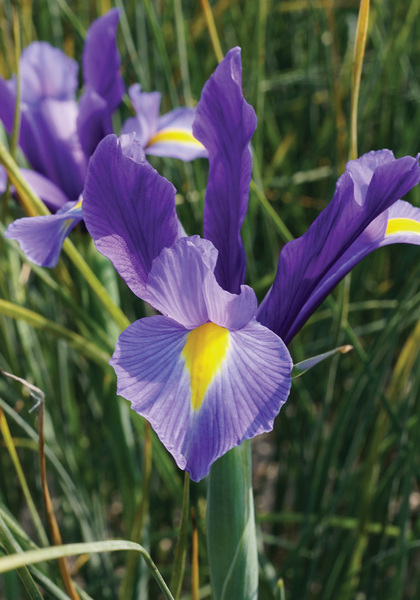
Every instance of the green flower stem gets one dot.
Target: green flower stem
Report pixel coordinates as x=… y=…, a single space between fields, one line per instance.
x=231 y=534
x=31 y=557
x=181 y=545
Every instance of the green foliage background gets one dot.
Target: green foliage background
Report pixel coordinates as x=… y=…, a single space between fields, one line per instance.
x=337 y=481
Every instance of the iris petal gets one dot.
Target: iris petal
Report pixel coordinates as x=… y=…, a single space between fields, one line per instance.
x=129 y=211
x=182 y=286
x=224 y=124
x=352 y=225
x=174 y=136
x=244 y=394
x=41 y=238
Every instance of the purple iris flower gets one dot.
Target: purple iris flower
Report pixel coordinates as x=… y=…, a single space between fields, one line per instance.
x=169 y=135
x=58 y=135
x=212 y=370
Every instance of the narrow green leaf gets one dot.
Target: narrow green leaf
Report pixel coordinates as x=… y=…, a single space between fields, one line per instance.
x=10 y=546
x=31 y=557
x=359 y=53
x=301 y=367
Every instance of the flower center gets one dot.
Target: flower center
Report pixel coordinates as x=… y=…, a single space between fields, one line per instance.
x=204 y=352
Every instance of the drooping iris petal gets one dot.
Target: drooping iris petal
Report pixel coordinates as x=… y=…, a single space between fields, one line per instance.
x=351 y=226
x=182 y=286
x=129 y=211
x=41 y=238
x=146 y=105
x=399 y=224
x=51 y=194
x=174 y=138
x=224 y=124
x=202 y=402
x=103 y=81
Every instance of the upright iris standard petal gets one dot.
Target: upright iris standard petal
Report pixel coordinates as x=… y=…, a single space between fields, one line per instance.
x=129 y=211
x=41 y=238
x=354 y=223
x=203 y=386
x=224 y=124
x=104 y=86
x=182 y=286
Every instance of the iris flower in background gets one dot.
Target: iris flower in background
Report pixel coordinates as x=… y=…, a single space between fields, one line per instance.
x=170 y=135
x=212 y=369
x=57 y=135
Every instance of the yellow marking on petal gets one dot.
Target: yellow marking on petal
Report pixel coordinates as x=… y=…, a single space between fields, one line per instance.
x=180 y=136
x=204 y=352
x=402 y=225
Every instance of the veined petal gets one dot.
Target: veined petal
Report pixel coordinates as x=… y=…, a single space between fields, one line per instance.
x=129 y=210
x=182 y=286
x=101 y=60
x=146 y=105
x=174 y=137
x=224 y=124
x=41 y=238
x=239 y=395
x=353 y=224
x=399 y=224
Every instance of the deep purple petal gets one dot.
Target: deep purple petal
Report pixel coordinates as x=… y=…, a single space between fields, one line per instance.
x=93 y=121
x=41 y=238
x=244 y=394
x=224 y=124
x=129 y=211
x=174 y=137
x=101 y=60
x=146 y=105
x=182 y=286
x=307 y=263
